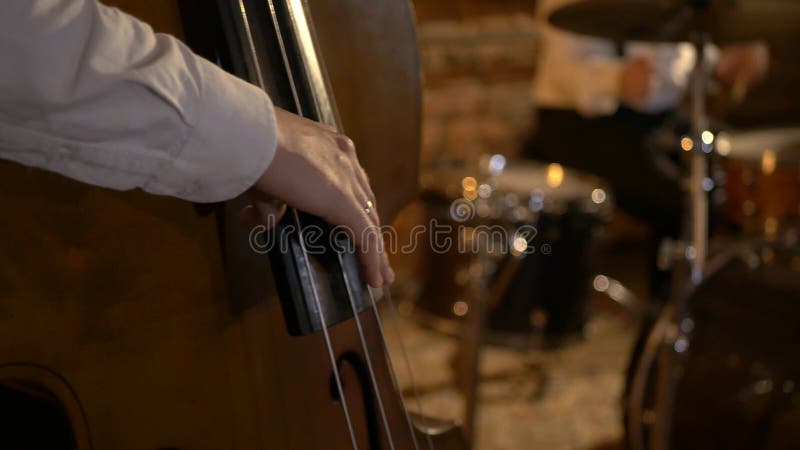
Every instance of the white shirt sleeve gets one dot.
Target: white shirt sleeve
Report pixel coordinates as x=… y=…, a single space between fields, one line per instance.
x=574 y=71
x=578 y=72
x=94 y=94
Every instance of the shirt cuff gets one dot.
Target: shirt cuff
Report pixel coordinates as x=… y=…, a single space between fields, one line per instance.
x=230 y=145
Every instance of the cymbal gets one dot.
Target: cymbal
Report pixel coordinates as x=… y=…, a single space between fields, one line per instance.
x=723 y=21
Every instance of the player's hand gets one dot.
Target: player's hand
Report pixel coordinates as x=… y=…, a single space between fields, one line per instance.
x=316 y=170
x=636 y=81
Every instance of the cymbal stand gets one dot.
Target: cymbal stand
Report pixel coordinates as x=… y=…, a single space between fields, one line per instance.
x=698 y=187
x=675 y=341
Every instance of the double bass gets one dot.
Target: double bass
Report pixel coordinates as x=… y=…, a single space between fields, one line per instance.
x=130 y=321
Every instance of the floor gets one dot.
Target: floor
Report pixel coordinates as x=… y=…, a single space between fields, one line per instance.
x=564 y=399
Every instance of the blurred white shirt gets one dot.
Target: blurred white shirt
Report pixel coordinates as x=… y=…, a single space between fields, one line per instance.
x=584 y=73
x=94 y=94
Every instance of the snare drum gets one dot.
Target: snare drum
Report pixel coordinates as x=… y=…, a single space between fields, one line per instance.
x=535 y=283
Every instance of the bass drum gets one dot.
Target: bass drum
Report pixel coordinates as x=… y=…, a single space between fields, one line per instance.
x=738 y=368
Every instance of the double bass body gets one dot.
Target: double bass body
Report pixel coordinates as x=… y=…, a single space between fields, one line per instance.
x=137 y=323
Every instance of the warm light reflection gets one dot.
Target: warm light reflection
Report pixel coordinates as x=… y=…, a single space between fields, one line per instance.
x=469 y=183
x=470 y=194
x=599 y=196
x=460 y=308
x=723 y=144
x=519 y=246
x=555 y=175
x=768 y=162
x=770 y=226
x=600 y=283
x=686 y=144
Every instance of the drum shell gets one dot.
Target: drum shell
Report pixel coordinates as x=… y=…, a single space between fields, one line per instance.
x=738 y=380
x=548 y=292
x=761 y=200
x=734 y=390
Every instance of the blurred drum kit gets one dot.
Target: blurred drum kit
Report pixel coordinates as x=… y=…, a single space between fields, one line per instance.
x=511 y=239
x=718 y=368
x=527 y=228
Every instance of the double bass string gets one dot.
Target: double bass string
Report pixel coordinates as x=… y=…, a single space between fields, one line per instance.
x=326 y=334
x=392 y=371
x=298 y=14
x=366 y=351
x=332 y=118
x=301 y=26
x=318 y=303
x=395 y=320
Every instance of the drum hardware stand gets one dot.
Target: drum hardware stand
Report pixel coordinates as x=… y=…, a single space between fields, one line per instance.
x=472 y=343
x=638 y=416
x=693 y=261
x=483 y=294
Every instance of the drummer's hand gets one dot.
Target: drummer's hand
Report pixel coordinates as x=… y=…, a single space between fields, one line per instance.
x=745 y=64
x=315 y=170
x=636 y=81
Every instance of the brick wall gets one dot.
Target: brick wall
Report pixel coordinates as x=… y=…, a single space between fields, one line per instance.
x=478 y=70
